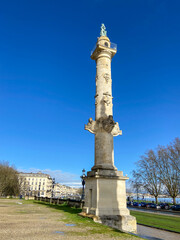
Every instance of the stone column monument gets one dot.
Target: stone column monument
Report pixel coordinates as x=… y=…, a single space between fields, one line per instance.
x=105 y=192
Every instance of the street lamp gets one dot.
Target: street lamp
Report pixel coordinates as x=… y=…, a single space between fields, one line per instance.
x=53 y=183
x=83 y=183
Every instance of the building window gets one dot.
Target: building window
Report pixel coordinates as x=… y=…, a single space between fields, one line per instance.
x=42 y=193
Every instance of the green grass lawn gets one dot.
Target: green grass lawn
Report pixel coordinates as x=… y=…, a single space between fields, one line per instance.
x=155 y=220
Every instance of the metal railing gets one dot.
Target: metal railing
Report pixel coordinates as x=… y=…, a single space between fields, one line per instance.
x=112 y=46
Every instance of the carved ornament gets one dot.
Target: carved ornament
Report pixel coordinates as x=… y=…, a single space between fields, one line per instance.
x=106 y=77
x=107 y=99
x=107 y=123
x=91 y=126
x=104 y=124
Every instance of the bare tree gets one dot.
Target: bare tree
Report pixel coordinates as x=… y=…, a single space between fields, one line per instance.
x=148 y=174
x=160 y=169
x=9 y=184
x=174 y=154
x=167 y=164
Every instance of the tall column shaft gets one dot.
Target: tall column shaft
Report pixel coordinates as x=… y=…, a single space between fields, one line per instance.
x=104 y=147
x=104 y=151
x=104 y=126
x=103 y=98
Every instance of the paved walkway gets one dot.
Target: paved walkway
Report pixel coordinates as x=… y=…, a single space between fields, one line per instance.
x=156 y=234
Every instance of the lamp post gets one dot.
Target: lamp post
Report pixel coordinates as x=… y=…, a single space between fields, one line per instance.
x=83 y=183
x=53 y=183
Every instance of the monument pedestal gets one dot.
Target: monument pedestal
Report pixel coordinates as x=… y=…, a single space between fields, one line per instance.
x=105 y=199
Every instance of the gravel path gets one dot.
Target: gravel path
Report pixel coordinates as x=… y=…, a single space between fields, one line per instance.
x=21 y=221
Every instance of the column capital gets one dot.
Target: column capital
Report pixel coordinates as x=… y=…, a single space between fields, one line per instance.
x=103 y=45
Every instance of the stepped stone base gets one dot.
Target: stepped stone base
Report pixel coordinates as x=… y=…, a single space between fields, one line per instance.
x=105 y=200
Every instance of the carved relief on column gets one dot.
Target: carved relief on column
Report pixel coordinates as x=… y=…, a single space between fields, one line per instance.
x=104 y=124
x=107 y=99
x=107 y=123
x=107 y=77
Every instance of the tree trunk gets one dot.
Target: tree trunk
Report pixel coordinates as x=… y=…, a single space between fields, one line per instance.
x=174 y=200
x=156 y=197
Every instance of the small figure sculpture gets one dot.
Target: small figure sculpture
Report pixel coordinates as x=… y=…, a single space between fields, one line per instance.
x=103 y=30
x=91 y=126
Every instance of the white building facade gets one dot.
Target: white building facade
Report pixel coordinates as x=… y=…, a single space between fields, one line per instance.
x=35 y=184
x=62 y=191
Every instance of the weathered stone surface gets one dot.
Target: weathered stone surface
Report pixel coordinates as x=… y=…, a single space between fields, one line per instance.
x=105 y=197
x=126 y=223
x=104 y=123
x=105 y=192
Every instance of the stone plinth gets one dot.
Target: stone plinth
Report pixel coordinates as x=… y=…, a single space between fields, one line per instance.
x=105 y=198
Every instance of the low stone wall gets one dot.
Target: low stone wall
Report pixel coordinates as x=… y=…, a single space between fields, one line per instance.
x=69 y=202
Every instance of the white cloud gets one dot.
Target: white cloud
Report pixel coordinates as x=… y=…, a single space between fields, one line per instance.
x=64 y=178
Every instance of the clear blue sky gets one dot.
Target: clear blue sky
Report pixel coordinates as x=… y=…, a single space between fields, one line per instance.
x=47 y=80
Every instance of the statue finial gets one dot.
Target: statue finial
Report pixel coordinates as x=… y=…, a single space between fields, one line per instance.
x=103 y=30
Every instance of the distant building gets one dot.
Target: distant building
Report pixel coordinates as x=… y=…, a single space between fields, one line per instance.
x=35 y=184
x=60 y=191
